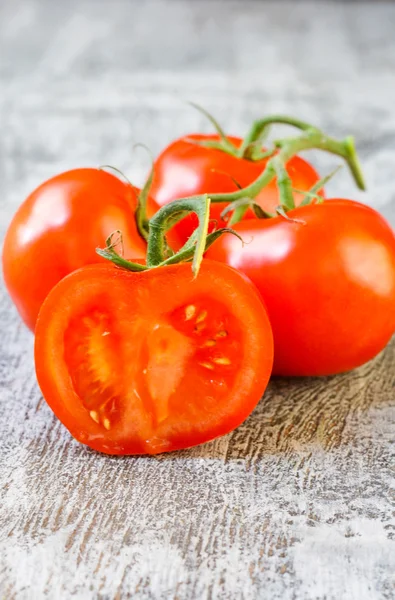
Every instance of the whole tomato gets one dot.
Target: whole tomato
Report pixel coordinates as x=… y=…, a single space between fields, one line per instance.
x=185 y=168
x=327 y=279
x=57 y=229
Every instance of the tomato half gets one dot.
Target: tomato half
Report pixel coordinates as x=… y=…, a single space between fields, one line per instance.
x=57 y=229
x=187 y=169
x=141 y=363
x=328 y=283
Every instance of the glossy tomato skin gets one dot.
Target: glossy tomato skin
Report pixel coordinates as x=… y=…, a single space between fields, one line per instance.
x=187 y=169
x=57 y=229
x=137 y=363
x=328 y=284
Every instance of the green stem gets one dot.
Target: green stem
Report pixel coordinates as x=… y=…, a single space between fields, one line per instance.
x=311 y=138
x=185 y=254
x=110 y=253
x=238 y=214
x=351 y=156
x=260 y=127
x=240 y=207
x=166 y=217
x=140 y=215
x=231 y=150
x=225 y=145
x=284 y=184
x=313 y=192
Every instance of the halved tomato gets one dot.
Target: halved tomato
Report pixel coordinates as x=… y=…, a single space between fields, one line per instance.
x=149 y=362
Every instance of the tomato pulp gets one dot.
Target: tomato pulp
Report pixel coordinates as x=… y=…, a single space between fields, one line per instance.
x=59 y=226
x=149 y=362
x=328 y=283
x=187 y=169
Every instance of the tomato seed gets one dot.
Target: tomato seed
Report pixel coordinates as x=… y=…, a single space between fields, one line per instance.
x=201 y=316
x=221 y=334
x=190 y=312
x=208 y=344
x=207 y=365
x=222 y=360
x=94 y=415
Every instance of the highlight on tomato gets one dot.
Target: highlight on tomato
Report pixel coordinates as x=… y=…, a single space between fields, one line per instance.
x=155 y=358
x=326 y=273
x=58 y=227
x=220 y=165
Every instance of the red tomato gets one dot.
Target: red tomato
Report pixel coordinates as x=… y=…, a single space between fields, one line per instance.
x=57 y=229
x=142 y=363
x=328 y=284
x=186 y=169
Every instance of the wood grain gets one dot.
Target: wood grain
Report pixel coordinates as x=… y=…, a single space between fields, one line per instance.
x=298 y=502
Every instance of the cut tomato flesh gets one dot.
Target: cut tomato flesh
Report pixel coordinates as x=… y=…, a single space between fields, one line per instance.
x=167 y=362
x=168 y=354
x=153 y=364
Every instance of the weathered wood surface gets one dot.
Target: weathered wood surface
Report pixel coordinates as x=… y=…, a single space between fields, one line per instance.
x=298 y=503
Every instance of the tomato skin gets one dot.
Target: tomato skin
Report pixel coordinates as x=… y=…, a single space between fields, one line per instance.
x=187 y=169
x=204 y=402
x=57 y=229
x=328 y=284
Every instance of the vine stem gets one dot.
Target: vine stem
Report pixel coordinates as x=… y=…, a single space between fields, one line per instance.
x=166 y=217
x=311 y=138
x=260 y=127
x=154 y=230
x=161 y=222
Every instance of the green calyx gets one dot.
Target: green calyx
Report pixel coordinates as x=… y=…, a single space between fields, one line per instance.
x=158 y=252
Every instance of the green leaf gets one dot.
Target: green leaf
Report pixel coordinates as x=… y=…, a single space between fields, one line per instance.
x=213 y=121
x=185 y=255
x=282 y=213
x=324 y=180
x=109 y=253
x=119 y=260
x=312 y=193
x=239 y=208
x=227 y=148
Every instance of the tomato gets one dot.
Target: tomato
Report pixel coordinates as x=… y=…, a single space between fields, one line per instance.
x=149 y=362
x=328 y=283
x=187 y=169
x=57 y=229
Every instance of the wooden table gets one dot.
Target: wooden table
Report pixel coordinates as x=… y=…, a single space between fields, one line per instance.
x=298 y=503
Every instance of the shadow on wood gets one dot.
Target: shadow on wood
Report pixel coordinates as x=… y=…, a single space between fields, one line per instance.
x=297 y=413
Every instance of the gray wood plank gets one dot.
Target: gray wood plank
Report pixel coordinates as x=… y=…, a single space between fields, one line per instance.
x=298 y=503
